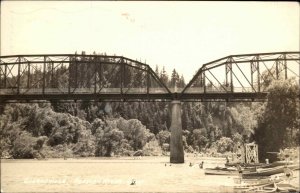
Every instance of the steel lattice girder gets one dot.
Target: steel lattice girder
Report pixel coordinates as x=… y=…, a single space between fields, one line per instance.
x=21 y=66
x=225 y=72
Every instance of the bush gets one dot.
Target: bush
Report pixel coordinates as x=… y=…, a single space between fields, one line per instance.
x=166 y=147
x=85 y=146
x=237 y=138
x=23 y=146
x=58 y=151
x=152 y=148
x=224 y=144
x=163 y=137
x=199 y=139
x=5 y=148
x=190 y=149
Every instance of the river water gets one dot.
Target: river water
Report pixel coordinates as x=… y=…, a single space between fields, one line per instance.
x=151 y=174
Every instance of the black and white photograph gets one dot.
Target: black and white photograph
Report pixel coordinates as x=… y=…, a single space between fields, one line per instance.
x=149 y=96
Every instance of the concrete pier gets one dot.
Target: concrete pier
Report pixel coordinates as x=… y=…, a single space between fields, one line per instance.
x=176 y=145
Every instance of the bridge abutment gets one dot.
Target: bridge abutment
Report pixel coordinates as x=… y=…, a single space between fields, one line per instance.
x=176 y=145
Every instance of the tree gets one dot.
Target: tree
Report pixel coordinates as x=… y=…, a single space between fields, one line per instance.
x=224 y=144
x=85 y=147
x=139 y=134
x=163 y=137
x=199 y=138
x=279 y=119
x=156 y=70
x=181 y=83
x=237 y=138
x=244 y=118
x=108 y=139
x=152 y=148
x=164 y=76
x=23 y=146
x=174 y=79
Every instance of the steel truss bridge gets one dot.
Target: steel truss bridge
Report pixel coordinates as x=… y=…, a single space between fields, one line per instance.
x=25 y=78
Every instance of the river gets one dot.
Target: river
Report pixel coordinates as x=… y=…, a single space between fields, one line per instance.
x=151 y=174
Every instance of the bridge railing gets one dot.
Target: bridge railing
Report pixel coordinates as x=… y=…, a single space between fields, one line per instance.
x=41 y=91
x=218 y=90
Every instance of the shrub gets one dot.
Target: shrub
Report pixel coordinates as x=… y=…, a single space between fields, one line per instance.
x=224 y=144
x=163 y=137
x=152 y=148
x=23 y=146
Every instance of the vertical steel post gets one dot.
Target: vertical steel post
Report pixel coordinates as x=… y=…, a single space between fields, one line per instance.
x=95 y=75
x=52 y=75
x=201 y=80
x=122 y=80
x=204 y=84
x=19 y=70
x=299 y=81
x=101 y=75
x=69 y=84
x=276 y=69
x=28 y=76
x=226 y=74
x=44 y=75
x=231 y=77
x=258 y=73
x=76 y=73
x=148 y=81
x=5 y=75
x=285 y=66
x=252 y=72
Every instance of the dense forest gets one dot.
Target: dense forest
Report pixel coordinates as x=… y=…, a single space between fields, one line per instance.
x=52 y=129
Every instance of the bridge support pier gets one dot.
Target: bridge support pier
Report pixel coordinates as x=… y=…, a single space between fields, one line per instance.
x=176 y=145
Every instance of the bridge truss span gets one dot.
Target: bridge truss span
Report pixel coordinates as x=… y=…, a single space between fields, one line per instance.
x=66 y=76
x=242 y=76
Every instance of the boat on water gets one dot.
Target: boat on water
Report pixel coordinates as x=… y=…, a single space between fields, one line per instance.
x=235 y=164
x=283 y=163
x=235 y=170
x=221 y=171
x=249 y=172
x=251 y=184
x=269 y=171
x=286 y=187
x=259 y=165
x=271 y=187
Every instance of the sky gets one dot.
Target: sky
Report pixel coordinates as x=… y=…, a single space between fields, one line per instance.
x=180 y=35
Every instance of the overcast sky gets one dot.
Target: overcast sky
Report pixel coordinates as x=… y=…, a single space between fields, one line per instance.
x=181 y=35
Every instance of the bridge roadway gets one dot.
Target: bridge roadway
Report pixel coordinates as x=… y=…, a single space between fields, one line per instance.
x=129 y=94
